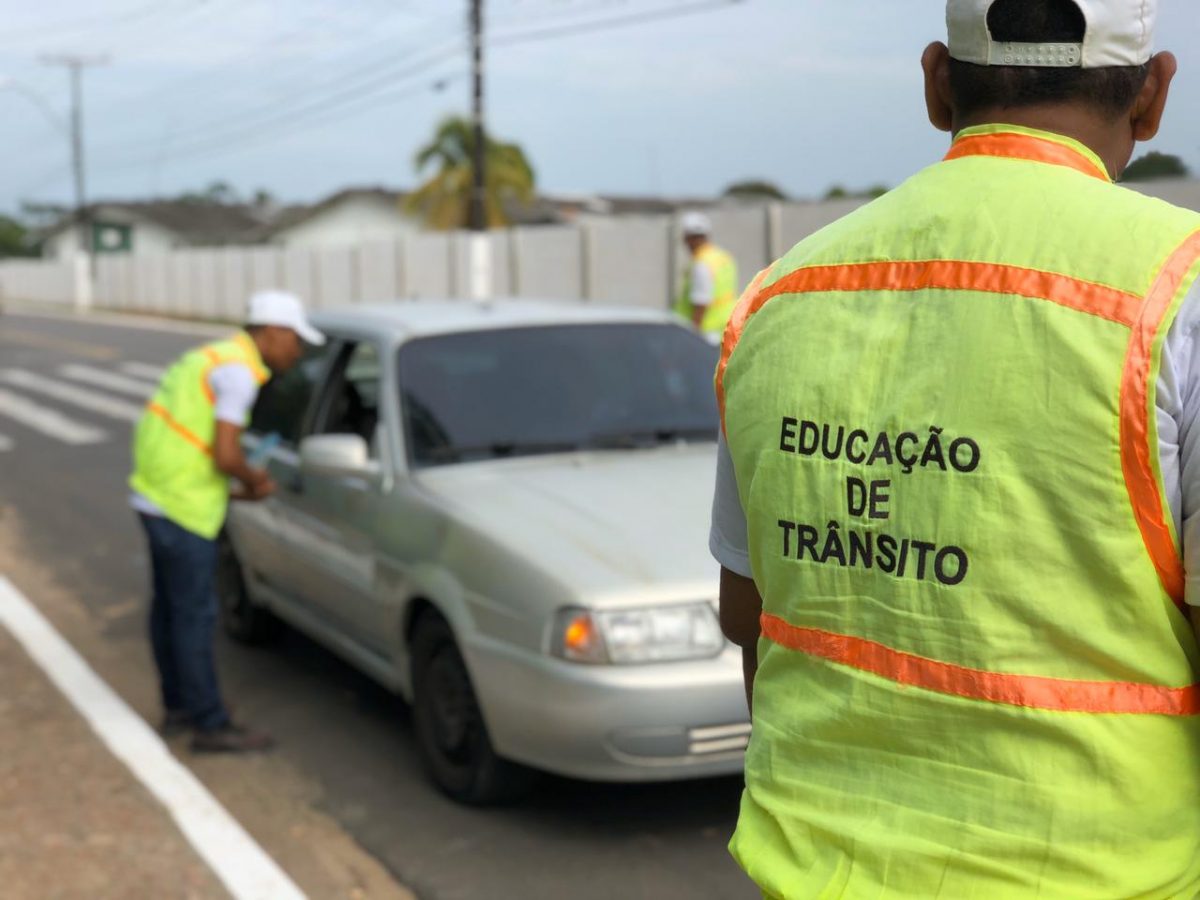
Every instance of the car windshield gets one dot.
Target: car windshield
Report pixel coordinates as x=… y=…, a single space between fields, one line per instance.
x=551 y=389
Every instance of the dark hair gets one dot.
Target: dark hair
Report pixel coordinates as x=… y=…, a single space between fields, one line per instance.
x=1111 y=91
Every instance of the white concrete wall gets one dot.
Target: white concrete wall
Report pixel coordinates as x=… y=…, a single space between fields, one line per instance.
x=380 y=271
x=547 y=263
x=627 y=261
x=355 y=220
x=37 y=281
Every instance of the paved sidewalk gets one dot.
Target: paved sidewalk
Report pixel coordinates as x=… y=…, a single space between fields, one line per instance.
x=73 y=821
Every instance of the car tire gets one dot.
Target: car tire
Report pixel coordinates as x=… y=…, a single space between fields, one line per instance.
x=242 y=619
x=451 y=734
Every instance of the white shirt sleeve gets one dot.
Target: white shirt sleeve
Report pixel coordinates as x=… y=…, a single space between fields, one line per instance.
x=235 y=389
x=1177 y=404
x=728 y=538
x=1178 y=412
x=702 y=285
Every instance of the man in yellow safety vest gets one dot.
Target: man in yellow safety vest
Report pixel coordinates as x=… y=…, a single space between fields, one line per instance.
x=956 y=497
x=186 y=449
x=710 y=280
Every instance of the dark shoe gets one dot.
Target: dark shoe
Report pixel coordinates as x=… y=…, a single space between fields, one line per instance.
x=231 y=739
x=175 y=723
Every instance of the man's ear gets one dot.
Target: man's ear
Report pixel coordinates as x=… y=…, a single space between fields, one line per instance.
x=1147 y=114
x=936 y=63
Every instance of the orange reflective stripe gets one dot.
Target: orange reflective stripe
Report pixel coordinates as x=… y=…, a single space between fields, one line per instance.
x=184 y=433
x=745 y=308
x=214 y=360
x=1026 y=147
x=261 y=373
x=954 y=275
x=1137 y=455
x=1031 y=691
x=938 y=274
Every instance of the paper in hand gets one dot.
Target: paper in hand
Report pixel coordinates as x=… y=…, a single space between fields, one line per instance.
x=262 y=452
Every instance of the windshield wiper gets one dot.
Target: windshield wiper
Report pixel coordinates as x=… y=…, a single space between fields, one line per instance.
x=648 y=437
x=498 y=450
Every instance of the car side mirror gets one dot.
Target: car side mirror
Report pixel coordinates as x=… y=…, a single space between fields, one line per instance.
x=336 y=454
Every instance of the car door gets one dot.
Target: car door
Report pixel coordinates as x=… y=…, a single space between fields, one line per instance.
x=259 y=530
x=335 y=518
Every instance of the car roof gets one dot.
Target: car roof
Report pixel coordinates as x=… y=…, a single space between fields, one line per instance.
x=420 y=318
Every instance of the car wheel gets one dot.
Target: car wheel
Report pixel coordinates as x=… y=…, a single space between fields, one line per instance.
x=451 y=734
x=241 y=618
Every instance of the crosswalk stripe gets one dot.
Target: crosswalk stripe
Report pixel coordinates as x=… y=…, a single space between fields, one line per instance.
x=50 y=423
x=143 y=370
x=6 y=443
x=93 y=401
x=110 y=380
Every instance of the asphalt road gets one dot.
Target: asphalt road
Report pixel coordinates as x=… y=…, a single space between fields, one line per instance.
x=350 y=740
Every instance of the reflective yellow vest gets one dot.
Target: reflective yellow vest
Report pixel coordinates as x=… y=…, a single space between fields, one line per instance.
x=975 y=676
x=173 y=443
x=725 y=287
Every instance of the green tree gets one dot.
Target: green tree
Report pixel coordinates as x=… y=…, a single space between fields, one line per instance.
x=838 y=192
x=218 y=192
x=14 y=239
x=754 y=189
x=1155 y=165
x=444 y=199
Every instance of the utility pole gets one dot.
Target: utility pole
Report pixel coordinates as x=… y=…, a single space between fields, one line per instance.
x=480 y=275
x=478 y=214
x=75 y=66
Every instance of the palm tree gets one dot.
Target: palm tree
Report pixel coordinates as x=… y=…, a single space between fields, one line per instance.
x=444 y=199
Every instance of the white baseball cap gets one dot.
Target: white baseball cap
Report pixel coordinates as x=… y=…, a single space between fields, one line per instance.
x=285 y=310
x=1119 y=33
x=696 y=223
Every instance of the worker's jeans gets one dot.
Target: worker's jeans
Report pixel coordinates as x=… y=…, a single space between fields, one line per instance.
x=183 y=617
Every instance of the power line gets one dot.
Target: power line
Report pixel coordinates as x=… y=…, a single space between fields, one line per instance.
x=152 y=36
x=71 y=29
x=506 y=40
x=560 y=11
x=299 y=124
x=383 y=76
x=60 y=171
x=283 y=73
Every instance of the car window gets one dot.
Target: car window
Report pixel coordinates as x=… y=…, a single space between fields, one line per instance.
x=284 y=399
x=352 y=403
x=522 y=391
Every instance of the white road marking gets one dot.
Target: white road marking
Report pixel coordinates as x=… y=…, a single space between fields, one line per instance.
x=126 y=321
x=111 y=380
x=92 y=401
x=6 y=443
x=143 y=370
x=53 y=424
x=237 y=860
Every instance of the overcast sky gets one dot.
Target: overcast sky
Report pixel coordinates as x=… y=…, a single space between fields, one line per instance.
x=302 y=97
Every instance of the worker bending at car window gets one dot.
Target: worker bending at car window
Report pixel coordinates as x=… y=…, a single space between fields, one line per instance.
x=186 y=449
x=710 y=278
x=956 y=506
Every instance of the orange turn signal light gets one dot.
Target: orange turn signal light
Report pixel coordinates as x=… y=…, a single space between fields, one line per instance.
x=580 y=635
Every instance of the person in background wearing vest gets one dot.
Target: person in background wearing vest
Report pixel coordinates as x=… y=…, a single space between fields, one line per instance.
x=186 y=449
x=710 y=280
x=957 y=497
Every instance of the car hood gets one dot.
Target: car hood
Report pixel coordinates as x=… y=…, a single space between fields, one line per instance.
x=628 y=525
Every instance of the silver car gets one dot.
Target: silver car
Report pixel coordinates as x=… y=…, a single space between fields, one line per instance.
x=500 y=512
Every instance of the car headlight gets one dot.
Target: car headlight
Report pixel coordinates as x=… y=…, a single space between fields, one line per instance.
x=630 y=636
